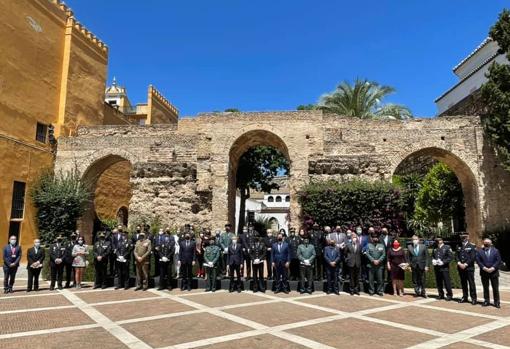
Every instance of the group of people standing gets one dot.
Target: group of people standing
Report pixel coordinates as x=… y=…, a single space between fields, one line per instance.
x=338 y=256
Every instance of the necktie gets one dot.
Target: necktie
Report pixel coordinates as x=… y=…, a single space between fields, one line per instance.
x=279 y=245
x=416 y=250
x=488 y=252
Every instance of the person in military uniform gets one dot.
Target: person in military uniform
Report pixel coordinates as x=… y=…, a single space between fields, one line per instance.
x=101 y=252
x=466 y=258
x=187 y=258
x=317 y=240
x=68 y=260
x=376 y=254
x=441 y=258
x=166 y=257
x=225 y=240
x=211 y=256
x=57 y=256
x=142 y=253
x=269 y=240
x=293 y=242
x=235 y=261
x=122 y=256
x=156 y=247
x=258 y=255
x=115 y=238
x=306 y=256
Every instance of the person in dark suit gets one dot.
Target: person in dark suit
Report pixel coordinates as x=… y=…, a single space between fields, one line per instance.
x=353 y=252
x=35 y=256
x=257 y=256
x=101 y=250
x=57 y=255
x=489 y=261
x=418 y=257
x=166 y=256
x=12 y=256
x=280 y=255
x=466 y=258
x=234 y=261
x=441 y=258
x=122 y=255
x=332 y=258
x=187 y=259
x=115 y=239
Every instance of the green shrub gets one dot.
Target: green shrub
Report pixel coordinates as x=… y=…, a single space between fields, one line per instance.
x=60 y=201
x=88 y=275
x=352 y=203
x=430 y=278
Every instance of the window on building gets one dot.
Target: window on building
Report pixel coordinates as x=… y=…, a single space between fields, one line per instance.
x=14 y=229
x=41 y=132
x=287 y=198
x=270 y=199
x=18 y=200
x=278 y=199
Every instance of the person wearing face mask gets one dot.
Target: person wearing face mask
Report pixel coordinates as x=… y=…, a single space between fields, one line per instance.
x=397 y=263
x=281 y=262
x=441 y=258
x=332 y=258
x=101 y=251
x=12 y=256
x=466 y=258
x=488 y=259
x=57 y=255
x=225 y=240
x=293 y=241
x=353 y=251
x=187 y=258
x=317 y=240
x=79 y=254
x=418 y=257
x=165 y=257
x=376 y=254
x=258 y=255
x=247 y=239
x=141 y=254
x=211 y=257
x=122 y=256
x=68 y=261
x=269 y=240
x=199 y=251
x=156 y=247
x=235 y=261
x=306 y=255
x=35 y=256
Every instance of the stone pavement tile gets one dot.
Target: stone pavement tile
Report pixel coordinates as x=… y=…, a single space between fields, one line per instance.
x=289 y=295
x=177 y=291
x=407 y=297
x=150 y=307
x=41 y=320
x=225 y=298
x=462 y=345
x=256 y=342
x=274 y=314
x=22 y=292
x=113 y=295
x=15 y=303
x=182 y=329
x=500 y=336
x=477 y=309
x=431 y=319
x=83 y=339
x=504 y=295
x=354 y=333
x=345 y=303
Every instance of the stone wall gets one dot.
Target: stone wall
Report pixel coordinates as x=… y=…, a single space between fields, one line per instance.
x=187 y=174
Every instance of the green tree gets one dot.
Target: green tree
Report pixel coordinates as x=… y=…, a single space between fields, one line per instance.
x=60 y=201
x=410 y=186
x=363 y=99
x=306 y=107
x=440 y=198
x=232 y=110
x=496 y=94
x=257 y=168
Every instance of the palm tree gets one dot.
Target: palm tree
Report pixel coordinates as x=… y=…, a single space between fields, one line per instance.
x=363 y=100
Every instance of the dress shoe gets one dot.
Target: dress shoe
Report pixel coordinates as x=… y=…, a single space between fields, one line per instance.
x=286 y=291
x=337 y=293
x=161 y=288
x=351 y=293
x=207 y=290
x=126 y=288
x=103 y=287
x=116 y=287
x=29 y=290
x=424 y=295
x=51 y=289
x=6 y=291
x=463 y=300
x=380 y=294
x=145 y=288
x=485 y=304
x=448 y=298
x=95 y=287
x=189 y=288
x=356 y=292
x=497 y=305
x=138 y=288
x=473 y=302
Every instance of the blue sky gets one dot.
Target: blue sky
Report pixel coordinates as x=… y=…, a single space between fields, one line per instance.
x=274 y=55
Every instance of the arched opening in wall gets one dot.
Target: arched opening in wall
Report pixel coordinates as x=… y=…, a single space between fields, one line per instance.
x=109 y=182
x=258 y=163
x=439 y=193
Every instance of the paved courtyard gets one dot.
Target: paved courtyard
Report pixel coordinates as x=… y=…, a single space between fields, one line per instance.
x=161 y=319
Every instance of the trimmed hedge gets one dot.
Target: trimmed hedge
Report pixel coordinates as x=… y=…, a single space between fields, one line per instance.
x=352 y=203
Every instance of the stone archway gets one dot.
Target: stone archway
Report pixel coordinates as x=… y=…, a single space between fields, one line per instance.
x=93 y=177
x=465 y=176
x=244 y=142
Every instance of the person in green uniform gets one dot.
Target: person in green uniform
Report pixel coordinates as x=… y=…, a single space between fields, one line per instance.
x=376 y=254
x=306 y=255
x=211 y=256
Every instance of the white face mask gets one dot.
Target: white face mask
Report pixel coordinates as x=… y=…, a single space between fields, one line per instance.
x=160 y=232
x=416 y=242
x=234 y=241
x=37 y=244
x=12 y=241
